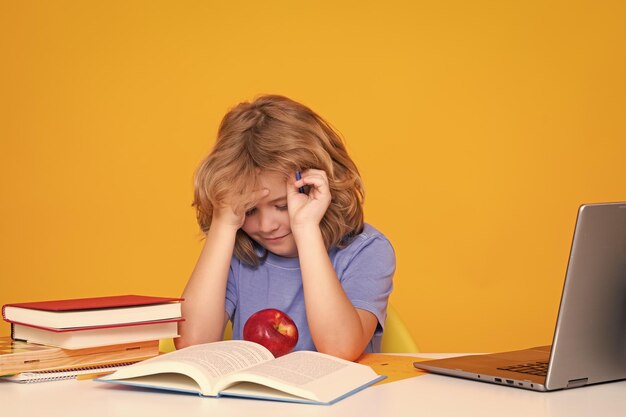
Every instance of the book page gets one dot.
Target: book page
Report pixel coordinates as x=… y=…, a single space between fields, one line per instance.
x=311 y=375
x=203 y=364
x=299 y=368
x=222 y=358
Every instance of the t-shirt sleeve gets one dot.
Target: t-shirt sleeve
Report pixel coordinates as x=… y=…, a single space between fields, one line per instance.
x=367 y=276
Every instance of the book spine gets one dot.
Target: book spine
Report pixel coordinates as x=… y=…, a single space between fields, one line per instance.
x=12 y=331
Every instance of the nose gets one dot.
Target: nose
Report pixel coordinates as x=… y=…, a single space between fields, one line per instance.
x=268 y=222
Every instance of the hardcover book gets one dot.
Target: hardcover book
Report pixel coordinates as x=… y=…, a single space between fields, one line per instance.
x=98 y=311
x=239 y=368
x=88 y=337
x=17 y=356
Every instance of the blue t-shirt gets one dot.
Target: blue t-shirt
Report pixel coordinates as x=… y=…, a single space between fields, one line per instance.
x=365 y=269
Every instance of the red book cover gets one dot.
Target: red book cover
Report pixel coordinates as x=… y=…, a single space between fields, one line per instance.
x=94 y=303
x=91 y=312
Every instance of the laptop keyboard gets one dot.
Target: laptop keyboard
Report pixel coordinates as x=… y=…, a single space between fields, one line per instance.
x=534 y=368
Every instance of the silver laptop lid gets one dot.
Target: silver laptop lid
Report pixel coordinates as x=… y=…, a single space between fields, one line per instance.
x=589 y=344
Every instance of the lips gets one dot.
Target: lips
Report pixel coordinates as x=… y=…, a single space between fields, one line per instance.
x=274 y=239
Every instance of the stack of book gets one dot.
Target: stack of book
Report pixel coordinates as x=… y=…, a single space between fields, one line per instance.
x=30 y=362
x=85 y=332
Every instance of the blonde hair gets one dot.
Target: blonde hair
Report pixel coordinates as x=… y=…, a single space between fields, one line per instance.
x=275 y=133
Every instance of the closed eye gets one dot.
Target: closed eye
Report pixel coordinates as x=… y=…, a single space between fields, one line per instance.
x=251 y=211
x=282 y=208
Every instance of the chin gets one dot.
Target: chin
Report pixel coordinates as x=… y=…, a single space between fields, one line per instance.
x=285 y=253
x=286 y=249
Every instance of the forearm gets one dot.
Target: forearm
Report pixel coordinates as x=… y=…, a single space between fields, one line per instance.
x=336 y=326
x=203 y=307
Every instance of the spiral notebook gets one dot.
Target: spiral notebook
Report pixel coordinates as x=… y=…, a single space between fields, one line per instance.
x=62 y=374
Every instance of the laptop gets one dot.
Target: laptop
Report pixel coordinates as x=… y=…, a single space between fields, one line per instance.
x=589 y=343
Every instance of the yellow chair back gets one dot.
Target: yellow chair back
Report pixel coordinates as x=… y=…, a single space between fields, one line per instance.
x=396 y=337
x=166 y=345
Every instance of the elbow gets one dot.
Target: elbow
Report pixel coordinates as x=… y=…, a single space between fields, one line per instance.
x=194 y=334
x=349 y=353
x=181 y=342
x=188 y=340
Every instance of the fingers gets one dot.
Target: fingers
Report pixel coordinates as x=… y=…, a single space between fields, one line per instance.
x=259 y=194
x=315 y=179
x=254 y=197
x=308 y=208
x=240 y=204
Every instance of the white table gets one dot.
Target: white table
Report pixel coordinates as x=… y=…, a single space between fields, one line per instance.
x=427 y=395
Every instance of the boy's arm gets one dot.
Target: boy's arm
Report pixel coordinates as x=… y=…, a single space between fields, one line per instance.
x=203 y=307
x=337 y=327
x=205 y=293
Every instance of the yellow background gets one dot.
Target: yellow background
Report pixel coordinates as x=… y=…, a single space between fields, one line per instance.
x=479 y=128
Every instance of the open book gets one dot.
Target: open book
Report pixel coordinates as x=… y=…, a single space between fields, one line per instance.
x=246 y=369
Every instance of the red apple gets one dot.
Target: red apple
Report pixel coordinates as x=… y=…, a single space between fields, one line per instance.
x=273 y=329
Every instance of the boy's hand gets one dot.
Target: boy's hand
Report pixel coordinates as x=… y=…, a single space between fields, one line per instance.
x=306 y=210
x=225 y=215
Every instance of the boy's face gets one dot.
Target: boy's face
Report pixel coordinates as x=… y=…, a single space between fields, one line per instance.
x=268 y=222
